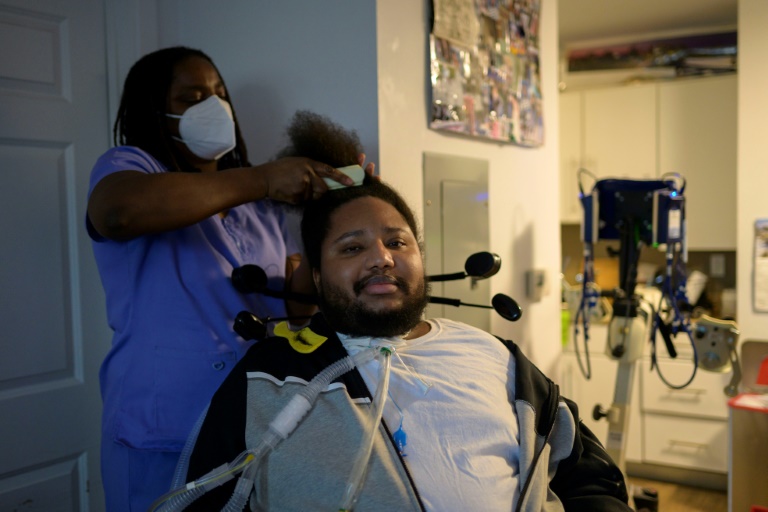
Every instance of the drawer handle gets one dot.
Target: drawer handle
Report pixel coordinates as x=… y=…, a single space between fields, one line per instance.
x=688 y=391
x=688 y=444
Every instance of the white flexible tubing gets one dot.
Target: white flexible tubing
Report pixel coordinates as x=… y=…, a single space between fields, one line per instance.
x=279 y=429
x=360 y=467
x=183 y=464
x=182 y=497
x=288 y=419
x=242 y=490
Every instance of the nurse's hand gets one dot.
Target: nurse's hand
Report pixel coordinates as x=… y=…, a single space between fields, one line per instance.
x=295 y=179
x=369 y=169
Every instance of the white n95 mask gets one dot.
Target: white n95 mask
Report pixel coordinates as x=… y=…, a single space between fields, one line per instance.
x=207 y=128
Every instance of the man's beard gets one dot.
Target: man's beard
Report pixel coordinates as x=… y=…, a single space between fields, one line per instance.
x=351 y=316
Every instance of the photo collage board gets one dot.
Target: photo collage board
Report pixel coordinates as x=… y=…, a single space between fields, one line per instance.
x=484 y=70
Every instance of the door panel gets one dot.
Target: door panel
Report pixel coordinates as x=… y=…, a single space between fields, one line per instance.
x=465 y=232
x=456 y=226
x=53 y=126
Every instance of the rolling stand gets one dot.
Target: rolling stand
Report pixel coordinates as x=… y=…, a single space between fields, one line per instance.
x=646 y=213
x=627 y=331
x=645 y=499
x=637 y=213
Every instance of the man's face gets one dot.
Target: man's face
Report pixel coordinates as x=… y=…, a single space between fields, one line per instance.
x=371 y=278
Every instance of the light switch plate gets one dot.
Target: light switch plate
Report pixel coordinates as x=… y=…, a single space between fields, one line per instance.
x=536 y=285
x=717 y=265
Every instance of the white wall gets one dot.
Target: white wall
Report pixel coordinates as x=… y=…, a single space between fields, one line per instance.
x=523 y=181
x=752 y=177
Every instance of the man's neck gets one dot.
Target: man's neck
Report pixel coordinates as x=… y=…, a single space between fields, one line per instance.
x=420 y=330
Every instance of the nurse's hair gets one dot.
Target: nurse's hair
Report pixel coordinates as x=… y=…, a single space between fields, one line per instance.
x=141 y=119
x=315 y=136
x=316 y=222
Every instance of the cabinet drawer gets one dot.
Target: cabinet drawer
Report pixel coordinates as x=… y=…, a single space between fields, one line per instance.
x=687 y=442
x=704 y=397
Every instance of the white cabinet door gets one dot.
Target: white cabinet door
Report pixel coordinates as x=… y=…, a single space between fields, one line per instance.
x=588 y=393
x=697 y=138
x=703 y=398
x=599 y=389
x=620 y=132
x=693 y=443
x=570 y=157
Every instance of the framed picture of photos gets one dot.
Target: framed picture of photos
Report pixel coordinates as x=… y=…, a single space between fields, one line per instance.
x=484 y=70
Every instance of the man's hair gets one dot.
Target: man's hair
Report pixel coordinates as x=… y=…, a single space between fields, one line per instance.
x=141 y=119
x=315 y=136
x=315 y=223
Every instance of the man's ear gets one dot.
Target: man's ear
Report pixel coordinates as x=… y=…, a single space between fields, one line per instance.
x=316 y=278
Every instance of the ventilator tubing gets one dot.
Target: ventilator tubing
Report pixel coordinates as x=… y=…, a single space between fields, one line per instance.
x=360 y=467
x=248 y=461
x=179 y=477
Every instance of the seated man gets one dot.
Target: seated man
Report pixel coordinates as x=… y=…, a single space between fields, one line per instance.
x=468 y=422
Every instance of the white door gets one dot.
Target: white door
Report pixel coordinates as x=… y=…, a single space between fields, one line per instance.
x=53 y=125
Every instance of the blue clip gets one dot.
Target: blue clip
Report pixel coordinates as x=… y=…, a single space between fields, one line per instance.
x=401 y=440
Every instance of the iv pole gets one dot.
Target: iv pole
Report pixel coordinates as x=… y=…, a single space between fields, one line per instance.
x=626 y=333
x=646 y=212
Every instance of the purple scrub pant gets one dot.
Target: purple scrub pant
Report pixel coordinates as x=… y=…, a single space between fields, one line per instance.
x=133 y=479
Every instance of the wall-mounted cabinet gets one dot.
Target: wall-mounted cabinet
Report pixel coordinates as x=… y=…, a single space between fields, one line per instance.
x=619 y=137
x=643 y=131
x=611 y=132
x=697 y=138
x=570 y=157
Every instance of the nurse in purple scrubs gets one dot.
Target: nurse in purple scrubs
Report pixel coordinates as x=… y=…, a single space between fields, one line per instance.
x=172 y=209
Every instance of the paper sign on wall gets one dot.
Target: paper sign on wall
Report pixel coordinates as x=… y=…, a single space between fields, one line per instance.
x=760 y=270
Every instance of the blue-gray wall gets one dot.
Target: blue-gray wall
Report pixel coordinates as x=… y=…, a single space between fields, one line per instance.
x=280 y=56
